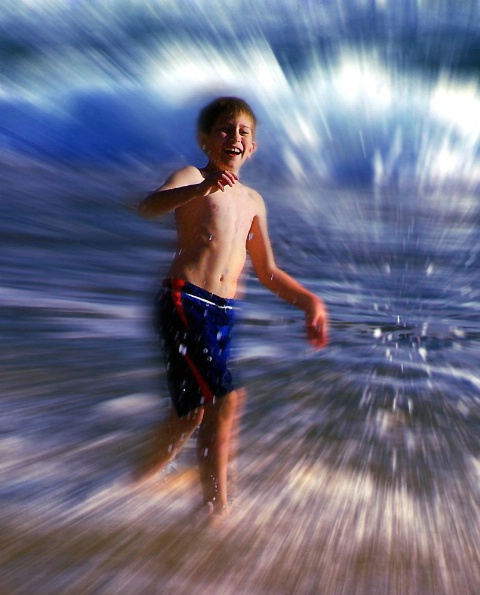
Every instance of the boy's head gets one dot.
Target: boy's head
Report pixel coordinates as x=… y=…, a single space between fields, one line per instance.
x=223 y=106
x=226 y=133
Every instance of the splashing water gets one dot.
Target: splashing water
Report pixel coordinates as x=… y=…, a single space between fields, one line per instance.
x=359 y=466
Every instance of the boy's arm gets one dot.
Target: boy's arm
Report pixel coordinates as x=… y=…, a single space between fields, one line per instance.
x=182 y=187
x=281 y=283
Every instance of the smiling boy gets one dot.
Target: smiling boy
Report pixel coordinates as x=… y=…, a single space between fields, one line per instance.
x=218 y=221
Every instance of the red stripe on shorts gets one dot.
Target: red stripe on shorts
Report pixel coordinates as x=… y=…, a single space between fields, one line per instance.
x=177 y=286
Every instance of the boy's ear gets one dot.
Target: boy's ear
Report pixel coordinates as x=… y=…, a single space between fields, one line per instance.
x=202 y=140
x=252 y=149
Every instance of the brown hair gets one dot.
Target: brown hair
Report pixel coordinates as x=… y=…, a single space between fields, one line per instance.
x=233 y=106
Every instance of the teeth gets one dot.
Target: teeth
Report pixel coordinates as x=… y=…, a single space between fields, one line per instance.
x=234 y=150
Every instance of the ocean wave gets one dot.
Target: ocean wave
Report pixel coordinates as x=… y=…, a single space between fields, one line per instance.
x=368 y=94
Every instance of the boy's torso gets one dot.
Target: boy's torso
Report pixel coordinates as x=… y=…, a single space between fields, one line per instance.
x=211 y=237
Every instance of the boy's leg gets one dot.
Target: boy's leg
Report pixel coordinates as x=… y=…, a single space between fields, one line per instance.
x=168 y=439
x=234 y=442
x=213 y=448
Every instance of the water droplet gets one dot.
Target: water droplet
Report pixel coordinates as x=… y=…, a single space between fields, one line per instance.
x=210 y=238
x=471 y=260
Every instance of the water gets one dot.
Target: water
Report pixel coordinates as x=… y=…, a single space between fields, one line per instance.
x=359 y=465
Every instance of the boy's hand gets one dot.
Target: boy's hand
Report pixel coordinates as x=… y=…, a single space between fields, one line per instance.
x=317 y=324
x=217 y=180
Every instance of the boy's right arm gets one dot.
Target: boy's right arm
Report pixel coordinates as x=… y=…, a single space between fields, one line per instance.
x=182 y=187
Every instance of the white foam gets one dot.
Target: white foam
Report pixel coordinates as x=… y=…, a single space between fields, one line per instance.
x=24 y=298
x=128 y=405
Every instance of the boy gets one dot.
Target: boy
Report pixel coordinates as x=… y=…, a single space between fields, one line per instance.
x=218 y=220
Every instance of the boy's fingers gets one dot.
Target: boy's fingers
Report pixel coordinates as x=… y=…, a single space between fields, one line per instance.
x=221 y=179
x=231 y=178
x=227 y=178
x=224 y=176
x=315 y=339
x=317 y=334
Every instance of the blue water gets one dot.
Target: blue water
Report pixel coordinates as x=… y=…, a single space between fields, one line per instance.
x=359 y=465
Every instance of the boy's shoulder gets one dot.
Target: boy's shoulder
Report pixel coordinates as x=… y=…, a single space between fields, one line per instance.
x=252 y=192
x=191 y=170
x=255 y=196
x=185 y=175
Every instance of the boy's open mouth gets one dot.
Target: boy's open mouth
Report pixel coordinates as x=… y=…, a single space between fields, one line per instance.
x=233 y=151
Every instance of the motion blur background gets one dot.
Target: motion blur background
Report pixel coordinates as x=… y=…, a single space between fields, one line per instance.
x=359 y=465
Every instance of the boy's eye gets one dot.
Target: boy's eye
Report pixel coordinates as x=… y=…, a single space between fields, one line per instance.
x=230 y=129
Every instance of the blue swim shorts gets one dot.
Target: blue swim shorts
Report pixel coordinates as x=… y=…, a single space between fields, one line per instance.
x=195 y=328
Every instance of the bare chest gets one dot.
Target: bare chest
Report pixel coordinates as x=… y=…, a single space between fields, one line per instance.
x=223 y=216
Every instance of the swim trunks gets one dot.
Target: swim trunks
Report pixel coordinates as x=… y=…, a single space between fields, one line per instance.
x=195 y=327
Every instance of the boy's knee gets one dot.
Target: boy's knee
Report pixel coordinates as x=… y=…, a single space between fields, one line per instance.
x=241 y=397
x=228 y=404
x=221 y=409
x=189 y=422
x=195 y=417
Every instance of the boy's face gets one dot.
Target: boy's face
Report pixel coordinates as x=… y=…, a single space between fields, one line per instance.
x=230 y=142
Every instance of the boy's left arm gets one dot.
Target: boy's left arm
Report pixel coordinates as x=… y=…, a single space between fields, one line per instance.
x=282 y=284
